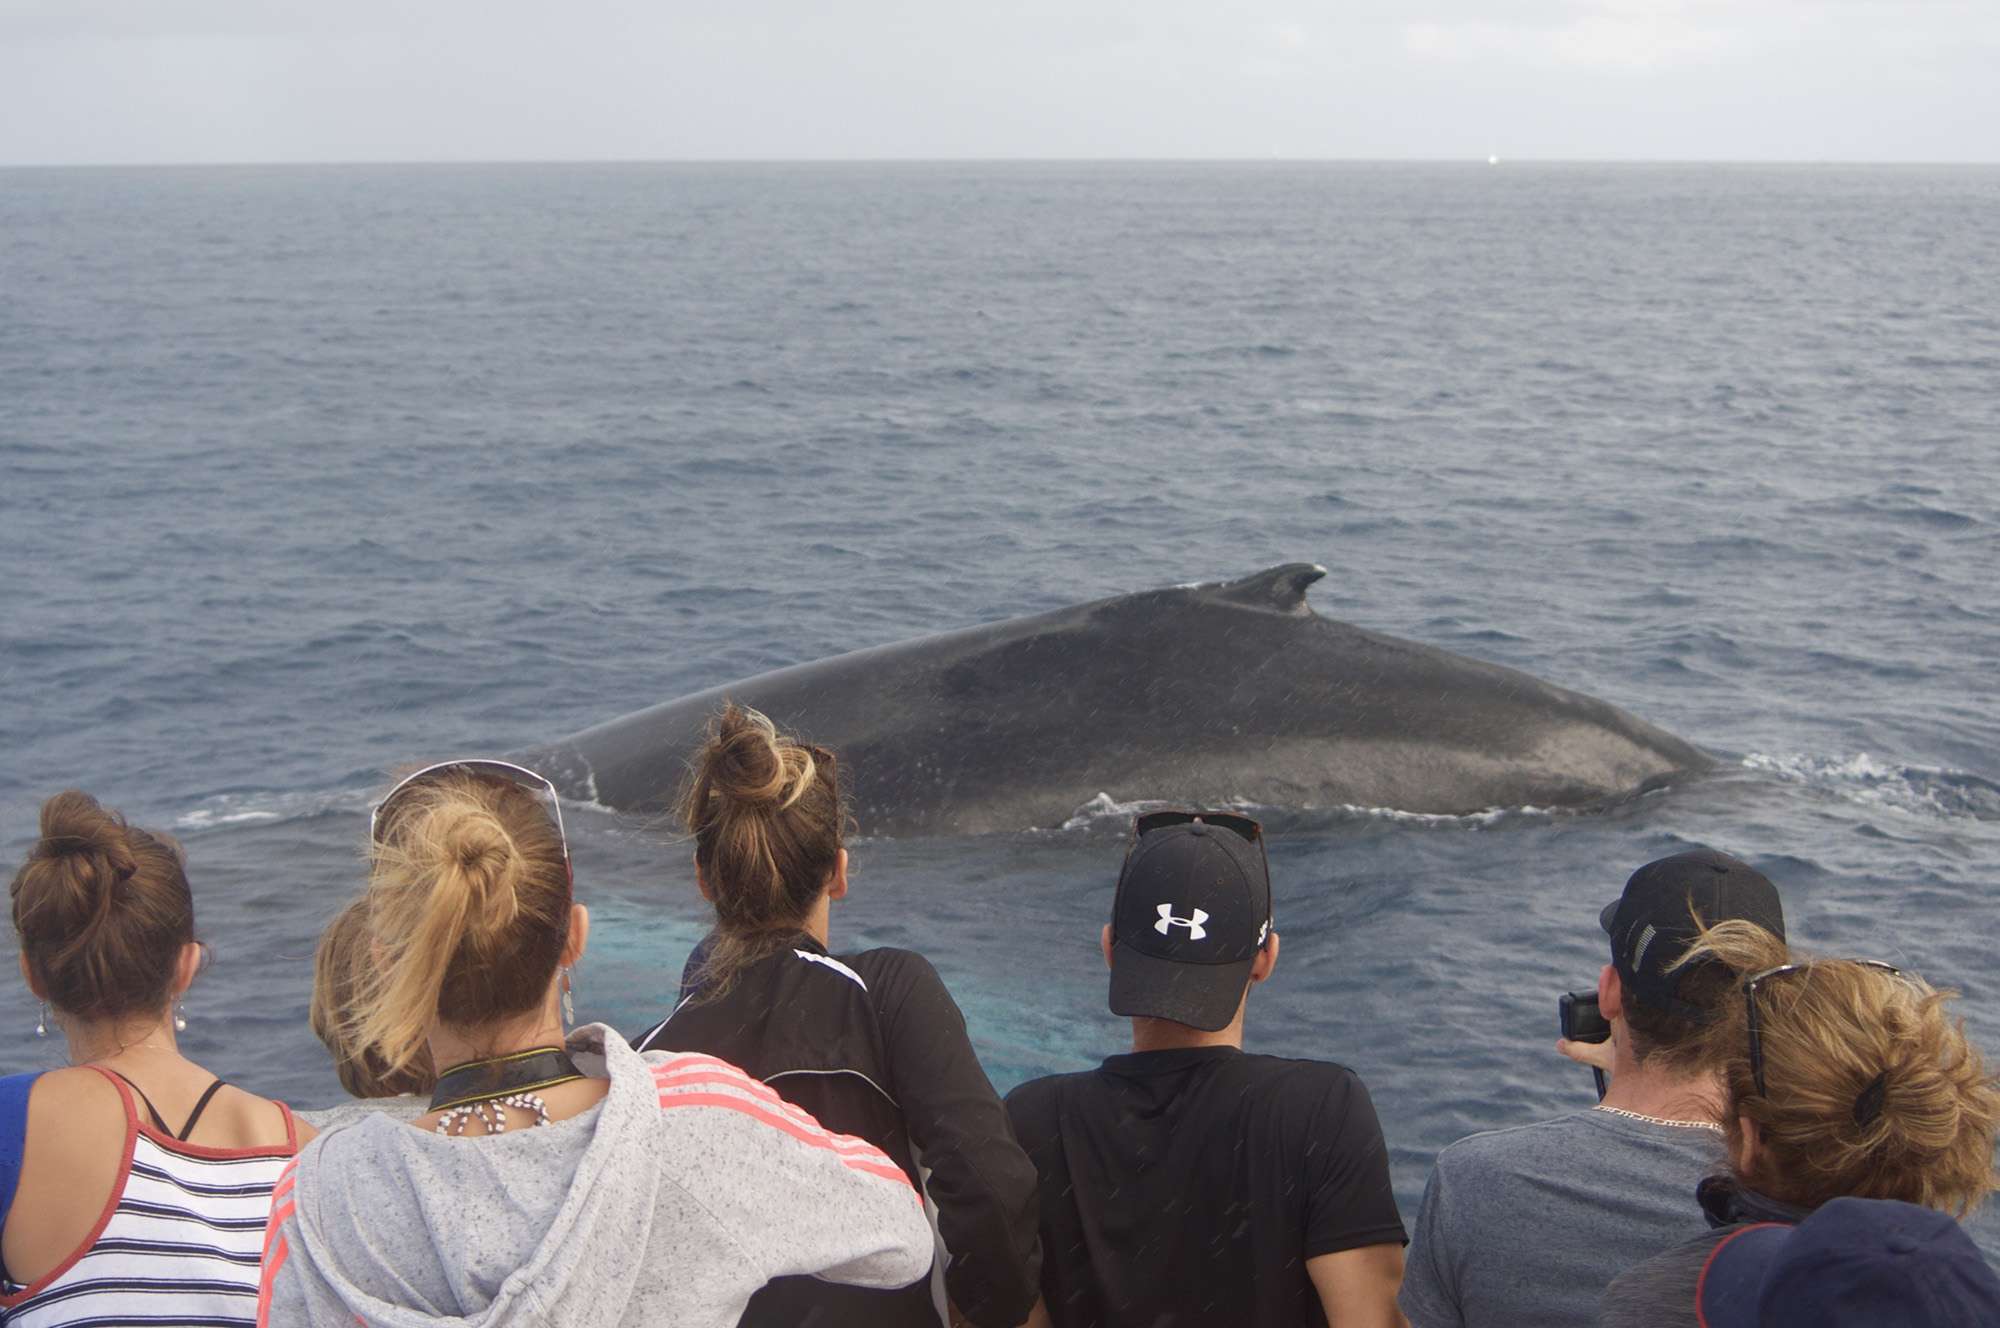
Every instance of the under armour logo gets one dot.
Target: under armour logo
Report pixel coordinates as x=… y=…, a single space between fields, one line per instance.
x=1168 y=922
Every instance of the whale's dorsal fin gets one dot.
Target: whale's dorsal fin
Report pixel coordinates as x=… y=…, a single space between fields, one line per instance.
x=1280 y=589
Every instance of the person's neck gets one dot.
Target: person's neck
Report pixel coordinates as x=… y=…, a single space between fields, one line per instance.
x=452 y=1047
x=124 y=1040
x=816 y=924
x=1166 y=1035
x=1663 y=1095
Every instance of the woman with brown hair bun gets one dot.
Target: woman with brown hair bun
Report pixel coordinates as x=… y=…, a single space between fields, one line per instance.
x=1844 y=1078
x=134 y=1186
x=556 y=1177
x=870 y=1043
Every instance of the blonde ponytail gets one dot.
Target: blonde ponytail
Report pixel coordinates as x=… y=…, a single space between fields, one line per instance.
x=1871 y=1089
x=468 y=911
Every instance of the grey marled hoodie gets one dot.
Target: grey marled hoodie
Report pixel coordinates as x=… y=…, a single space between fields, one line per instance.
x=669 y=1203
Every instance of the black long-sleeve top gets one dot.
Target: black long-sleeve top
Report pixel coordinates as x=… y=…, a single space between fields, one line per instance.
x=874 y=1046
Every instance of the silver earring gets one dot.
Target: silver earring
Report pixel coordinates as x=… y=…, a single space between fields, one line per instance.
x=180 y=1019
x=42 y=1025
x=569 y=1000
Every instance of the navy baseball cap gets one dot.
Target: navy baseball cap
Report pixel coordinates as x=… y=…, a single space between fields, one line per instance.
x=1653 y=923
x=1192 y=911
x=1861 y=1262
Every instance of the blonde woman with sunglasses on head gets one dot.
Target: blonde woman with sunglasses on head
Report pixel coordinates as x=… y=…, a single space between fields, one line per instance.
x=1843 y=1078
x=557 y=1178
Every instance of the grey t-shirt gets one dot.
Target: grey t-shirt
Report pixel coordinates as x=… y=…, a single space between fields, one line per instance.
x=1528 y=1225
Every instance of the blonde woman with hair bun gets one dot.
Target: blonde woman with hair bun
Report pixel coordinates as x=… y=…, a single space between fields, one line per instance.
x=557 y=1177
x=1843 y=1078
x=871 y=1042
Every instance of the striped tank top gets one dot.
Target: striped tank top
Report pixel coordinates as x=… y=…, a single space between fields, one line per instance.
x=178 y=1242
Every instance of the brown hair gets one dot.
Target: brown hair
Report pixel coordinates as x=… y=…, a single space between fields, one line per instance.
x=1873 y=1092
x=342 y=957
x=766 y=818
x=103 y=910
x=468 y=913
x=1675 y=1043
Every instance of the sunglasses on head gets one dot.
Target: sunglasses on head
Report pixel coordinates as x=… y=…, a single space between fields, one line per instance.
x=380 y=818
x=1750 y=985
x=1242 y=826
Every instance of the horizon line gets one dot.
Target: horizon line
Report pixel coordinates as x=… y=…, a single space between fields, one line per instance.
x=1480 y=160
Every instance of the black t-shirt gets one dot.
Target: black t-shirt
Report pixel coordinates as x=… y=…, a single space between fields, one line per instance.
x=1190 y=1187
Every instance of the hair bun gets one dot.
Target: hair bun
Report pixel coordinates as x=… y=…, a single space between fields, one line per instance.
x=74 y=824
x=477 y=847
x=745 y=764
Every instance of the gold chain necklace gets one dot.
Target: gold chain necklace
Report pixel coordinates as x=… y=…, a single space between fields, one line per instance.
x=1660 y=1120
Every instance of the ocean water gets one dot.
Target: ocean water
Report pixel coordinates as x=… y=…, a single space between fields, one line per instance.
x=312 y=472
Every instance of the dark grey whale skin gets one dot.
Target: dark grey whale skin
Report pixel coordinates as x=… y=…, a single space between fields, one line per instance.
x=1194 y=695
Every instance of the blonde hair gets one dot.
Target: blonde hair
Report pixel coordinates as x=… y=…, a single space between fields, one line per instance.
x=766 y=818
x=103 y=910
x=468 y=913
x=343 y=956
x=1873 y=1091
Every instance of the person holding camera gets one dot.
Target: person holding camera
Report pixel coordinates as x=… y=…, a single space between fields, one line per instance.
x=1529 y=1224
x=1186 y=1182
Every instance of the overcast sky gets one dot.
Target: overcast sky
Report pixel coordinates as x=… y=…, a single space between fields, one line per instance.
x=450 y=80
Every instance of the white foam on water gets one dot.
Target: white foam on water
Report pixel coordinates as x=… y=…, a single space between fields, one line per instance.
x=1104 y=807
x=227 y=809
x=1934 y=792
x=1490 y=816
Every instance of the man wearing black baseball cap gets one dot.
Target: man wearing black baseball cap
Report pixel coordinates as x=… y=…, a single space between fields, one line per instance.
x=1187 y=1182
x=1529 y=1224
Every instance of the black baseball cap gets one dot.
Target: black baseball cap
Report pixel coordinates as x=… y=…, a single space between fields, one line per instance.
x=1873 y=1262
x=1193 y=909
x=1653 y=923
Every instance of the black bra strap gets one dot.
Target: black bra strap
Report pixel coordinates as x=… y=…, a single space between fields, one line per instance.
x=151 y=1110
x=199 y=1107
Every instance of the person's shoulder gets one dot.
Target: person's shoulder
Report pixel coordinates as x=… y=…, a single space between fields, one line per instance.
x=1294 y=1069
x=1042 y=1093
x=403 y=1107
x=890 y=976
x=1513 y=1146
x=75 y=1098
x=888 y=964
x=1034 y=1106
x=1325 y=1084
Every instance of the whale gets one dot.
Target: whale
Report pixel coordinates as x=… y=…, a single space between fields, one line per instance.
x=1226 y=693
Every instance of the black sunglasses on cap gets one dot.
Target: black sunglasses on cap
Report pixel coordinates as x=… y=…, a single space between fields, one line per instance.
x=1244 y=827
x=1147 y=822
x=478 y=767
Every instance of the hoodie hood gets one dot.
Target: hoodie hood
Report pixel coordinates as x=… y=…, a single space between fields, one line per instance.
x=534 y=1228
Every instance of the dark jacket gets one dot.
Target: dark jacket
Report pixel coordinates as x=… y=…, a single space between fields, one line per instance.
x=1660 y=1292
x=873 y=1046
